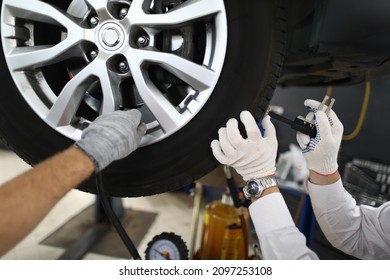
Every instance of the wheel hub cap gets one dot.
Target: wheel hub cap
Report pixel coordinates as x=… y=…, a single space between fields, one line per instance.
x=111 y=36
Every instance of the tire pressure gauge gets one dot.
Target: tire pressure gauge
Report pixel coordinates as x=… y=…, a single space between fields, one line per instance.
x=166 y=246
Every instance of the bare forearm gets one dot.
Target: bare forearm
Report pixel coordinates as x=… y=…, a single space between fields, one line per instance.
x=25 y=200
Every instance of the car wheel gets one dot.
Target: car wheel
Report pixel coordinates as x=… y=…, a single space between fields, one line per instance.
x=188 y=66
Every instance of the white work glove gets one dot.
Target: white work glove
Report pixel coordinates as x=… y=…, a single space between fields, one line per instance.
x=254 y=157
x=111 y=137
x=321 y=152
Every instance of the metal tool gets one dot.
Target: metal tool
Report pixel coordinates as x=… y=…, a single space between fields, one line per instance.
x=300 y=123
x=332 y=101
x=325 y=100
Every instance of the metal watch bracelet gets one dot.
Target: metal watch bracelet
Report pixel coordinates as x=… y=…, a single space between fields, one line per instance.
x=255 y=187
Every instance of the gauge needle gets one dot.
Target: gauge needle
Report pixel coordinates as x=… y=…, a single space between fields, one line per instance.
x=165 y=256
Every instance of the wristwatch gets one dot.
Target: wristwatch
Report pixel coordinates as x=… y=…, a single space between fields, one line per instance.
x=255 y=187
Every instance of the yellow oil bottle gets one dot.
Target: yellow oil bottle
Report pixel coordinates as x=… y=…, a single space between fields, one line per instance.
x=223 y=234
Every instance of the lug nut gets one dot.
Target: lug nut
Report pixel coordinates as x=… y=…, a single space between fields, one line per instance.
x=93 y=54
x=123 y=13
x=143 y=41
x=94 y=21
x=123 y=67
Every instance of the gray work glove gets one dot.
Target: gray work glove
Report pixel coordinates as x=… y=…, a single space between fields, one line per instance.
x=111 y=137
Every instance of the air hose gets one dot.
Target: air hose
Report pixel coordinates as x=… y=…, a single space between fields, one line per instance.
x=113 y=218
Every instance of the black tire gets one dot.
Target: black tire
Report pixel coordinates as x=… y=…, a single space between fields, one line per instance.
x=248 y=79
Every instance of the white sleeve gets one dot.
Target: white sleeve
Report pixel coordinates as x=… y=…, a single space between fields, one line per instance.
x=278 y=236
x=361 y=231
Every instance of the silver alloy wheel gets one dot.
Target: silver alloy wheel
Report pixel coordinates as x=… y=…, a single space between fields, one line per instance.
x=114 y=42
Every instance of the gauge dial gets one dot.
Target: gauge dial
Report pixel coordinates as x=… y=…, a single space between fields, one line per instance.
x=166 y=246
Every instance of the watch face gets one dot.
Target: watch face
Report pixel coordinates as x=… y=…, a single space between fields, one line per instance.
x=252 y=188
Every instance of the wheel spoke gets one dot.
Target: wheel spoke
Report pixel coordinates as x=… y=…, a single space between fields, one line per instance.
x=98 y=5
x=167 y=116
x=65 y=108
x=38 y=11
x=25 y=58
x=33 y=57
x=198 y=77
x=187 y=12
x=109 y=93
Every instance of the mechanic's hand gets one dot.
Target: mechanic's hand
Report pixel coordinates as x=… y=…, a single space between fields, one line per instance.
x=253 y=157
x=321 y=152
x=111 y=137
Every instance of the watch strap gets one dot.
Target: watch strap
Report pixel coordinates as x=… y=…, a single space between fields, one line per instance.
x=262 y=183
